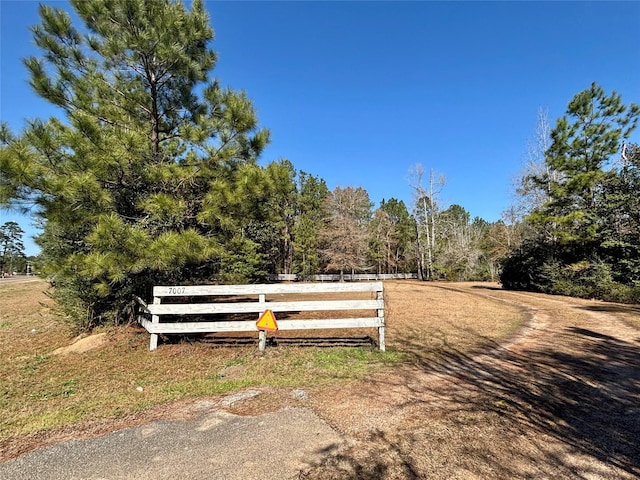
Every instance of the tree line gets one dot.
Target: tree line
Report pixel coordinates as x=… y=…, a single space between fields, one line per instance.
x=149 y=175
x=581 y=213
x=12 y=254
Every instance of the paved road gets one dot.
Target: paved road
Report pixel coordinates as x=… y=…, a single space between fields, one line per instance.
x=18 y=279
x=214 y=445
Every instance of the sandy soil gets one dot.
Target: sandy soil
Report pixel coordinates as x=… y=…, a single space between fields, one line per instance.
x=560 y=400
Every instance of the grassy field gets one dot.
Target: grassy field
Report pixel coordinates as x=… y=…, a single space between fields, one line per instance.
x=42 y=390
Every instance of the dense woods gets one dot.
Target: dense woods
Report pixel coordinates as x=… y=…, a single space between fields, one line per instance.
x=151 y=175
x=583 y=236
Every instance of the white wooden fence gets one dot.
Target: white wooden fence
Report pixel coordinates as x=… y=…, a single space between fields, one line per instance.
x=253 y=299
x=335 y=277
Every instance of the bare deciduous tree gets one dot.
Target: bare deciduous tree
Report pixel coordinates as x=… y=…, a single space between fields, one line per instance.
x=426 y=211
x=532 y=184
x=346 y=234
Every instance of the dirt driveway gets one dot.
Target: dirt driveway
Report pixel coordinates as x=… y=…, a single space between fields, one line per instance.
x=562 y=400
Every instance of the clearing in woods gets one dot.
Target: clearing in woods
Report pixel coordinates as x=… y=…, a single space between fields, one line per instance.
x=492 y=384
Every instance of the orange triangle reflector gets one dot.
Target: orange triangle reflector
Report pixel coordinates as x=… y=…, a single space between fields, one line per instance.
x=267 y=321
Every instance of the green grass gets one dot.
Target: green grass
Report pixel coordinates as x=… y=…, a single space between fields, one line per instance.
x=41 y=391
x=44 y=392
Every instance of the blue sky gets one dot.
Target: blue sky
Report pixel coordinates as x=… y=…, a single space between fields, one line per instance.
x=359 y=92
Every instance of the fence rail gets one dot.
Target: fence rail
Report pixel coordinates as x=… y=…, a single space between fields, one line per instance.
x=347 y=277
x=248 y=299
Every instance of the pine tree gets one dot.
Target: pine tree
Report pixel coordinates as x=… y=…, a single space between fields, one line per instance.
x=583 y=143
x=11 y=246
x=309 y=221
x=392 y=237
x=591 y=212
x=134 y=178
x=282 y=207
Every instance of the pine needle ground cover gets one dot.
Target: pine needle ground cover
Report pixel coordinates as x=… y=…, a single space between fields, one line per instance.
x=46 y=392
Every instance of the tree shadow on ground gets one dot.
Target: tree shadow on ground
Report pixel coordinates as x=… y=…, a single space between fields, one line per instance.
x=488 y=287
x=576 y=410
x=588 y=400
x=388 y=459
x=612 y=308
x=243 y=341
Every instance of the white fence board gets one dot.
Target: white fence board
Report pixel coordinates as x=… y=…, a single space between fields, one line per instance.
x=334 y=277
x=326 y=324
x=199 y=327
x=157 y=309
x=257 y=307
x=263 y=288
x=250 y=326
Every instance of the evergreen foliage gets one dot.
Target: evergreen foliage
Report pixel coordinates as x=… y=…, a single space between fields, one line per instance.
x=11 y=248
x=149 y=176
x=619 y=213
x=391 y=244
x=583 y=143
x=588 y=240
x=310 y=220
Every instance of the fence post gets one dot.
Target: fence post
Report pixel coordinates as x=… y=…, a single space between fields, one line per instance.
x=262 y=340
x=380 y=296
x=153 y=341
x=262 y=336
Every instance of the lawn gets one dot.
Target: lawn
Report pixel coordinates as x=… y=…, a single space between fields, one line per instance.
x=42 y=391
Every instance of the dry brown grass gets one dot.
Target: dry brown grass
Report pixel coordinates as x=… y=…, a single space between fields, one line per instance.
x=43 y=392
x=429 y=319
x=559 y=400
x=477 y=383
